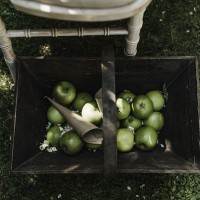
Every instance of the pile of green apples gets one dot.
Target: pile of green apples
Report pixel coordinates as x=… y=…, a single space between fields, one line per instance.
x=139 y=119
x=83 y=104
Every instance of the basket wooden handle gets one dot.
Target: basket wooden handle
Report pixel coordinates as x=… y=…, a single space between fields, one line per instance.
x=109 y=111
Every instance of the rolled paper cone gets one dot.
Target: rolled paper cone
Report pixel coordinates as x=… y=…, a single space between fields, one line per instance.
x=88 y=131
x=98 y=98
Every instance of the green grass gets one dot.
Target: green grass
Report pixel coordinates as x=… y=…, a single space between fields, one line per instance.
x=170 y=28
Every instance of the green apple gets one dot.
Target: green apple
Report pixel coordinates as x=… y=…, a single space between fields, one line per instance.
x=127 y=95
x=53 y=136
x=71 y=143
x=93 y=146
x=64 y=92
x=81 y=99
x=125 y=140
x=155 y=120
x=123 y=108
x=132 y=122
x=91 y=113
x=54 y=116
x=146 y=138
x=117 y=124
x=142 y=106
x=157 y=99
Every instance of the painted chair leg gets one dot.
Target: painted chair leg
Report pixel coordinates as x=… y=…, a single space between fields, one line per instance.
x=6 y=47
x=133 y=37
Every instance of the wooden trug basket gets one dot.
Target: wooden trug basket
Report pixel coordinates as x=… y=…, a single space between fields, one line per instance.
x=180 y=135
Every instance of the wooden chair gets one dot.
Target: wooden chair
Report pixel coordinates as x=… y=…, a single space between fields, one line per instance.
x=77 y=10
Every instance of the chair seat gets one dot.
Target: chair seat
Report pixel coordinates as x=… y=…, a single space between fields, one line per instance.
x=82 y=10
x=87 y=3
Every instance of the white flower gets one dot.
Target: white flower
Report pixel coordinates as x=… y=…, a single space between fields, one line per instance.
x=143 y=185
x=61 y=128
x=46 y=142
x=131 y=129
x=160 y=20
x=195 y=9
x=191 y=13
x=128 y=188
x=187 y=31
x=44 y=145
x=59 y=196
x=137 y=195
x=48 y=126
x=163 y=12
x=68 y=128
x=162 y=145
x=54 y=149
x=51 y=149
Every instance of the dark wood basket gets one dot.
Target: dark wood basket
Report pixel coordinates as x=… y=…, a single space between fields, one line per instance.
x=180 y=135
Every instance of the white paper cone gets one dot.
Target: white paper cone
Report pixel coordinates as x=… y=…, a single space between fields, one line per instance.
x=88 y=131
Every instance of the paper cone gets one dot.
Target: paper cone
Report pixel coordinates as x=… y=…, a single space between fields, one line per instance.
x=98 y=98
x=88 y=131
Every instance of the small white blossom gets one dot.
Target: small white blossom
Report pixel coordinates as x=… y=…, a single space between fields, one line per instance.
x=46 y=142
x=187 y=31
x=59 y=196
x=163 y=12
x=61 y=128
x=162 y=145
x=44 y=145
x=49 y=150
x=141 y=186
x=54 y=149
x=66 y=128
x=195 y=9
x=160 y=20
x=191 y=13
x=137 y=195
x=128 y=188
x=131 y=129
x=48 y=126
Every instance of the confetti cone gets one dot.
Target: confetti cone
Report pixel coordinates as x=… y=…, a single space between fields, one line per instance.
x=88 y=131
